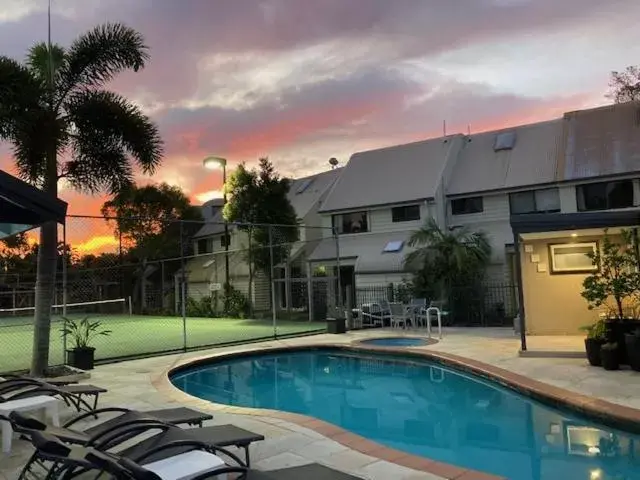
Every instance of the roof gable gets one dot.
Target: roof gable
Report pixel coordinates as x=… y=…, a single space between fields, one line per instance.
x=508 y=158
x=601 y=141
x=392 y=175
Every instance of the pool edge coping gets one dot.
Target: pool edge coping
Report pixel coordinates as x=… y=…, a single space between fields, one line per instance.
x=614 y=415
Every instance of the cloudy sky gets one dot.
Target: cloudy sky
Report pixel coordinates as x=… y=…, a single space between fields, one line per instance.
x=305 y=80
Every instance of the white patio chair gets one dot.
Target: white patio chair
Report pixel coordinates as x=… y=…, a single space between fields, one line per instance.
x=400 y=314
x=417 y=304
x=379 y=312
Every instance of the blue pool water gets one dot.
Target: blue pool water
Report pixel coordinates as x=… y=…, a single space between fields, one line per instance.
x=423 y=409
x=395 y=342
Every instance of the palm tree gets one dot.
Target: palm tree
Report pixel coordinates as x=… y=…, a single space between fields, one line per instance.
x=63 y=125
x=445 y=258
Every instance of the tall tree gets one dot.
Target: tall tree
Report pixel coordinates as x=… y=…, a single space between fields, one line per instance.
x=148 y=219
x=259 y=203
x=63 y=124
x=625 y=85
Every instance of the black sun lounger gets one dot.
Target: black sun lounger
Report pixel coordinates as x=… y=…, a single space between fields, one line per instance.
x=215 y=435
x=73 y=395
x=26 y=424
x=74 y=461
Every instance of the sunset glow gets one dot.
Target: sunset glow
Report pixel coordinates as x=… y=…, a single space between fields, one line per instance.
x=301 y=82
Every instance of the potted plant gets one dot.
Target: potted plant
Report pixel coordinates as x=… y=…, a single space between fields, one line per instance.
x=82 y=333
x=616 y=279
x=595 y=339
x=609 y=354
x=632 y=343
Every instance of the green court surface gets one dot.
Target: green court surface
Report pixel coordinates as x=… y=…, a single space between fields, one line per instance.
x=140 y=335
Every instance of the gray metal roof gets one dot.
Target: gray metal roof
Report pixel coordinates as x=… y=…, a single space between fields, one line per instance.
x=391 y=175
x=306 y=192
x=366 y=249
x=532 y=160
x=601 y=141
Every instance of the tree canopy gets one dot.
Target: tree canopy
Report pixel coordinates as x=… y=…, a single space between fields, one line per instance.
x=63 y=124
x=625 y=85
x=148 y=219
x=259 y=202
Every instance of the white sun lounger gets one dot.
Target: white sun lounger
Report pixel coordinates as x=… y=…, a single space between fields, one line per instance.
x=28 y=404
x=186 y=465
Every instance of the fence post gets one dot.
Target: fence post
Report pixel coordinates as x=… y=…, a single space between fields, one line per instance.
x=64 y=291
x=183 y=289
x=338 y=278
x=273 y=290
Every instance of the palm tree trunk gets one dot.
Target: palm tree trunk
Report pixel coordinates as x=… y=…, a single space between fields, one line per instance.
x=45 y=277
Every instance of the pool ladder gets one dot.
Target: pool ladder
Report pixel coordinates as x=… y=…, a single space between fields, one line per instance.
x=428 y=311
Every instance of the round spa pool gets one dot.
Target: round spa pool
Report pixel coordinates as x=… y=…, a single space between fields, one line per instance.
x=421 y=408
x=396 y=342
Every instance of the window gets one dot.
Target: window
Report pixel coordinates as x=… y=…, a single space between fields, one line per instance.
x=222 y=240
x=306 y=184
x=204 y=246
x=407 y=213
x=604 y=195
x=535 y=201
x=504 y=141
x=355 y=222
x=464 y=206
x=393 y=246
x=572 y=257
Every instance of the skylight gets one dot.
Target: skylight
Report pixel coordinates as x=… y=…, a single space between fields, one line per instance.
x=394 y=246
x=304 y=186
x=505 y=141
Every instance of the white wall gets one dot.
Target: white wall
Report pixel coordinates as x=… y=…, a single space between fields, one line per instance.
x=494 y=221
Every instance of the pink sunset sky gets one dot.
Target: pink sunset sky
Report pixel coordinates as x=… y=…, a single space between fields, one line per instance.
x=301 y=81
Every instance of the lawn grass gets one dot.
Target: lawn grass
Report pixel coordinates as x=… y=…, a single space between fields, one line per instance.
x=139 y=335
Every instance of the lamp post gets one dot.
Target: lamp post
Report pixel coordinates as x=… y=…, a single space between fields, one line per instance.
x=220 y=163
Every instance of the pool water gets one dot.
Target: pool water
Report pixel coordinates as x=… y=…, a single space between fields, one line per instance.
x=423 y=409
x=396 y=342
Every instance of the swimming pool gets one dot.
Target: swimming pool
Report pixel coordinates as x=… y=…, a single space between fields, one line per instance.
x=396 y=342
x=423 y=409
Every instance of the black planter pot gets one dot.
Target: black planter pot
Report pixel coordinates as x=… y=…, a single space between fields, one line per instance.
x=592 y=346
x=81 y=358
x=616 y=332
x=610 y=358
x=632 y=344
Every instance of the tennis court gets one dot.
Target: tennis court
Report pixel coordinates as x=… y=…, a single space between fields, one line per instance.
x=139 y=335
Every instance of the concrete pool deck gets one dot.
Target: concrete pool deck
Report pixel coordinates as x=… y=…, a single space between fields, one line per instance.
x=288 y=443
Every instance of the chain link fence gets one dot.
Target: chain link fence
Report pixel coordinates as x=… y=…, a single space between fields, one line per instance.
x=166 y=286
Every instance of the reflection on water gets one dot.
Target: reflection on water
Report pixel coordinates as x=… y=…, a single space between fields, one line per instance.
x=424 y=410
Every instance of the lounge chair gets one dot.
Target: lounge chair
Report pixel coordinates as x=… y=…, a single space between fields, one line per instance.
x=122 y=428
x=73 y=395
x=199 y=463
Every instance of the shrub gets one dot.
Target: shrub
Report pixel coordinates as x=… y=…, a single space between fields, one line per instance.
x=202 y=307
x=236 y=302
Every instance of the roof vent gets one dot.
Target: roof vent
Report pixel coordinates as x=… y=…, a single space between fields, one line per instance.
x=504 y=141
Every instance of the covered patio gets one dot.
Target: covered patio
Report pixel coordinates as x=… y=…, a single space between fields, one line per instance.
x=24 y=207
x=551 y=267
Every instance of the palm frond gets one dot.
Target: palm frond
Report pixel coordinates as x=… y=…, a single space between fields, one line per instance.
x=98 y=165
x=41 y=64
x=19 y=93
x=107 y=121
x=101 y=53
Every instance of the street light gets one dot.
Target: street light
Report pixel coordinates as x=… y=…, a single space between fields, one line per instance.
x=220 y=163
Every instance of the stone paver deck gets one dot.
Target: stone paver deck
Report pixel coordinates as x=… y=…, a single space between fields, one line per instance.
x=130 y=384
